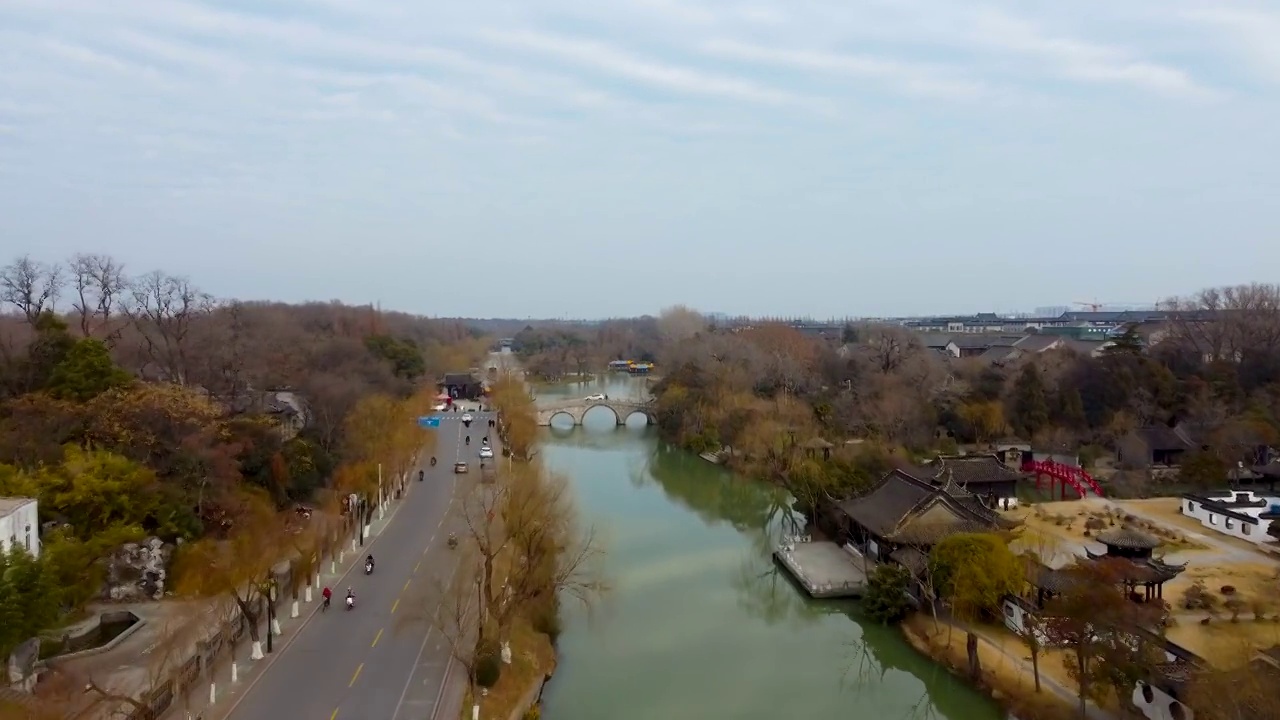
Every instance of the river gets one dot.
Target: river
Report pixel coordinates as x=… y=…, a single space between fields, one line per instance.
x=700 y=624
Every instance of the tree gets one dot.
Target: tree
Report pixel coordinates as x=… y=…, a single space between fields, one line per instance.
x=1070 y=413
x=86 y=372
x=985 y=420
x=1202 y=469
x=238 y=565
x=163 y=309
x=1093 y=620
x=973 y=573
x=517 y=415
x=28 y=599
x=30 y=286
x=886 y=599
x=678 y=323
x=96 y=490
x=1030 y=406
x=99 y=282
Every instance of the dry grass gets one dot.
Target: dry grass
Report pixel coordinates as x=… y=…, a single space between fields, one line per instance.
x=532 y=658
x=1257 y=584
x=1168 y=512
x=1225 y=645
x=1066 y=522
x=1010 y=683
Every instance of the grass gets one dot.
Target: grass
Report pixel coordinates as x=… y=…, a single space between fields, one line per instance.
x=1010 y=683
x=532 y=658
x=1223 y=644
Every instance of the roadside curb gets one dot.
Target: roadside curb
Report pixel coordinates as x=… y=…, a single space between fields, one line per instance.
x=288 y=642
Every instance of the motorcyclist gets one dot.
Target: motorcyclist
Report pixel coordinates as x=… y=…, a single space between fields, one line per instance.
x=369 y=561
x=326 y=594
x=351 y=597
x=468 y=439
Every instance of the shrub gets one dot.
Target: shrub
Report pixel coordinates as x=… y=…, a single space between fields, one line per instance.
x=533 y=713
x=886 y=598
x=488 y=664
x=1228 y=590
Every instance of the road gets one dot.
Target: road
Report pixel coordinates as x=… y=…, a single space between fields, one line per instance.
x=382 y=660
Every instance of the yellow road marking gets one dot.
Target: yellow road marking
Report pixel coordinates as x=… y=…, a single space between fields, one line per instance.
x=415 y=567
x=334 y=715
x=406 y=585
x=376 y=639
x=396 y=605
x=356 y=676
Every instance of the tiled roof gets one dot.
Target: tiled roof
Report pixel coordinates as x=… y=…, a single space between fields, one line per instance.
x=887 y=509
x=997 y=354
x=1038 y=343
x=966 y=470
x=1163 y=437
x=1124 y=537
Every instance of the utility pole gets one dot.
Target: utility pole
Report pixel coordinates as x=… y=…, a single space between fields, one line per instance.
x=271 y=609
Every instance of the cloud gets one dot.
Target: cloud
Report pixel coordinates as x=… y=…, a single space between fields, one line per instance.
x=601 y=57
x=1252 y=33
x=910 y=78
x=1082 y=61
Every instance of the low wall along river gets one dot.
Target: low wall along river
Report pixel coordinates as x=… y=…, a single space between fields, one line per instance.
x=701 y=624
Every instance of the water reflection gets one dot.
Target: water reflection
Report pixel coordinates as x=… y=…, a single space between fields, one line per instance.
x=702 y=624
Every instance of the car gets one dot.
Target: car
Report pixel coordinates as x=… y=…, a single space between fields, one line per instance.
x=460 y=467
x=597 y=396
x=486 y=452
x=440 y=408
x=466 y=417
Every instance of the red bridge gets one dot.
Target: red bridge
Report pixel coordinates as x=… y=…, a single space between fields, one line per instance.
x=1065 y=476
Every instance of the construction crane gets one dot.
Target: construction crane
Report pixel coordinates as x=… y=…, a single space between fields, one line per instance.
x=1093 y=306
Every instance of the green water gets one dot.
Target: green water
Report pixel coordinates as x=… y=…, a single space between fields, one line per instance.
x=700 y=624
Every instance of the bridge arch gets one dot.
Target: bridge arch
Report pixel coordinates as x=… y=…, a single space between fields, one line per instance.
x=552 y=415
x=622 y=412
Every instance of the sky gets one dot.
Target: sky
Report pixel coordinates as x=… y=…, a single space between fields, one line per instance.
x=589 y=158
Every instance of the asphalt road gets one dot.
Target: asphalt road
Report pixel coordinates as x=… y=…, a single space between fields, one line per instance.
x=383 y=660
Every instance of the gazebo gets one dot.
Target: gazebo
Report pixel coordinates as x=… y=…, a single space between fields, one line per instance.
x=1133 y=549
x=811 y=448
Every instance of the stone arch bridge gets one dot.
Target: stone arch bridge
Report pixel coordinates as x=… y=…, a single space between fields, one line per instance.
x=577 y=409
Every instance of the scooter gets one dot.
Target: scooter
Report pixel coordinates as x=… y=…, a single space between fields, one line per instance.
x=433 y=462
x=420 y=473
x=351 y=602
x=368 y=568
x=453 y=540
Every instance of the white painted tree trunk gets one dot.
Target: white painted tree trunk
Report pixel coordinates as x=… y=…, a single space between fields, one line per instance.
x=306 y=597
x=275 y=624
x=235 y=672
x=333 y=569
x=317 y=583
x=475 y=712
x=367 y=529
x=293 y=609
x=255 y=651
x=213 y=693
x=506 y=652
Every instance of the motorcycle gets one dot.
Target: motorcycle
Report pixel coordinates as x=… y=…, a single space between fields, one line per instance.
x=368 y=568
x=433 y=461
x=468 y=439
x=351 y=602
x=453 y=540
x=420 y=473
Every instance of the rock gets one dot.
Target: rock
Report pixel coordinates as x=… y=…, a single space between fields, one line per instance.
x=137 y=572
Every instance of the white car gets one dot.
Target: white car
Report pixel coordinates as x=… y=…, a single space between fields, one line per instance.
x=466 y=417
x=597 y=396
x=486 y=452
x=440 y=408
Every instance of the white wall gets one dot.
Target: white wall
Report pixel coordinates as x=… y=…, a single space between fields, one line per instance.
x=22 y=526
x=1234 y=527
x=1159 y=707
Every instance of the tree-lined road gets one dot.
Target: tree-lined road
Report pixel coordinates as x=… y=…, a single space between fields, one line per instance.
x=383 y=660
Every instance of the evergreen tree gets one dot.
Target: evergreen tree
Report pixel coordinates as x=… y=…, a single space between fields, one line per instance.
x=1129 y=343
x=886 y=598
x=1030 y=408
x=1071 y=409
x=86 y=372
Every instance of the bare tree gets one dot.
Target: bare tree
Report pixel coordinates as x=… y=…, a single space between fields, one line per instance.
x=30 y=286
x=679 y=322
x=100 y=283
x=457 y=615
x=164 y=309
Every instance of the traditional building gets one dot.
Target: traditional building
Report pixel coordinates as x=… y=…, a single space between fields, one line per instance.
x=1135 y=548
x=1238 y=513
x=910 y=514
x=462 y=386
x=984 y=476
x=19 y=525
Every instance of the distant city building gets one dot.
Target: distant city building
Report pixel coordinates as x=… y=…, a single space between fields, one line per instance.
x=1052 y=311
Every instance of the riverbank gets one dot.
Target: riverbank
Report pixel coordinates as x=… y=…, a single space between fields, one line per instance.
x=1007 y=673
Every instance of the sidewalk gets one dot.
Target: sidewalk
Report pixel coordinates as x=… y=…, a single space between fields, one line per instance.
x=214 y=699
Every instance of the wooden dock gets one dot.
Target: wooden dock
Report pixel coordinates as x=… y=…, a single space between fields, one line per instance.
x=823 y=569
